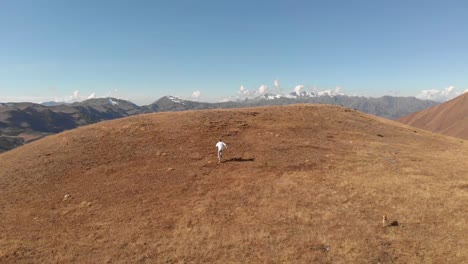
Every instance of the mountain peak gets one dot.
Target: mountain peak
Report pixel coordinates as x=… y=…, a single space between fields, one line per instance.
x=176 y=99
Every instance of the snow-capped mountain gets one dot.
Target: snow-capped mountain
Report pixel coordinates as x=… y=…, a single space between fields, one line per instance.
x=176 y=100
x=299 y=95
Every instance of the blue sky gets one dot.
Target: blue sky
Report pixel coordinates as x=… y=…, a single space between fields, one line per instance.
x=142 y=50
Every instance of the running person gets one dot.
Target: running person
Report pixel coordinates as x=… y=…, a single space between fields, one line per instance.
x=221 y=146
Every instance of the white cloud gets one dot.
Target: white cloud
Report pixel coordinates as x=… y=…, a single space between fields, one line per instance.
x=196 y=94
x=298 y=88
x=242 y=91
x=76 y=94
x=91 y=96
x=276 y=83
x=329 y=93
x=262 y=89
x=440 y=95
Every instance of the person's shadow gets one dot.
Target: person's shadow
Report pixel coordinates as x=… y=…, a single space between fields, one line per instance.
x=239 y=159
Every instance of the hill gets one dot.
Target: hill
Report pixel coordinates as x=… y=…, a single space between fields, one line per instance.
x=300 y=184
x=21 y=123
x=449 y=118
x=386 y=106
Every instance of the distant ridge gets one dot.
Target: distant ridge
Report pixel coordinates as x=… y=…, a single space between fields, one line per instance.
x=21 y=123
x=387 y=106
x=449 y=118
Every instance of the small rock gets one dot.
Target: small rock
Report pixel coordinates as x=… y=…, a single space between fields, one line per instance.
x=163 y=154
x=66 y=197
x=170 y=169
x=85 y=204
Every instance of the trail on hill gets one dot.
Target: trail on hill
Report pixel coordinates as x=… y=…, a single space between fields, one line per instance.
x=303 y=183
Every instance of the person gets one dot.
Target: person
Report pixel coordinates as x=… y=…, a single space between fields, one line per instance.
x=221 y=146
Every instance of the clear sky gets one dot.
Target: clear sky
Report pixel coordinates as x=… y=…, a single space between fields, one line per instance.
x=142 y=50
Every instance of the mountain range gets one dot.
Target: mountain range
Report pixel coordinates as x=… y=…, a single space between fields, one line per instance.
x=21 y=123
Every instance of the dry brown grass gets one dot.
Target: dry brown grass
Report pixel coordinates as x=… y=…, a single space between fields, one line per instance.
x=148 y=189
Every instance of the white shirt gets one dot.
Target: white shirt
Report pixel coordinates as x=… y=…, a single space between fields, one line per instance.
x=221 y=146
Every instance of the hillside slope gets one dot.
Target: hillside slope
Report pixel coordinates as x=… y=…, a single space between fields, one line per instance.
x=300 y=184
x=449 y=118
x=21 y=123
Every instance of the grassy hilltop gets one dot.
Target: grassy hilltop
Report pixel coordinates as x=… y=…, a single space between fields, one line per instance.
x=300 y=184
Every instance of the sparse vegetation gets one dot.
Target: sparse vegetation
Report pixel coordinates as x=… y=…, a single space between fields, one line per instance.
x=317 y=182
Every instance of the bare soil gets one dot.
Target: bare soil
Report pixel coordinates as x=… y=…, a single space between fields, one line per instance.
x=299 y=184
